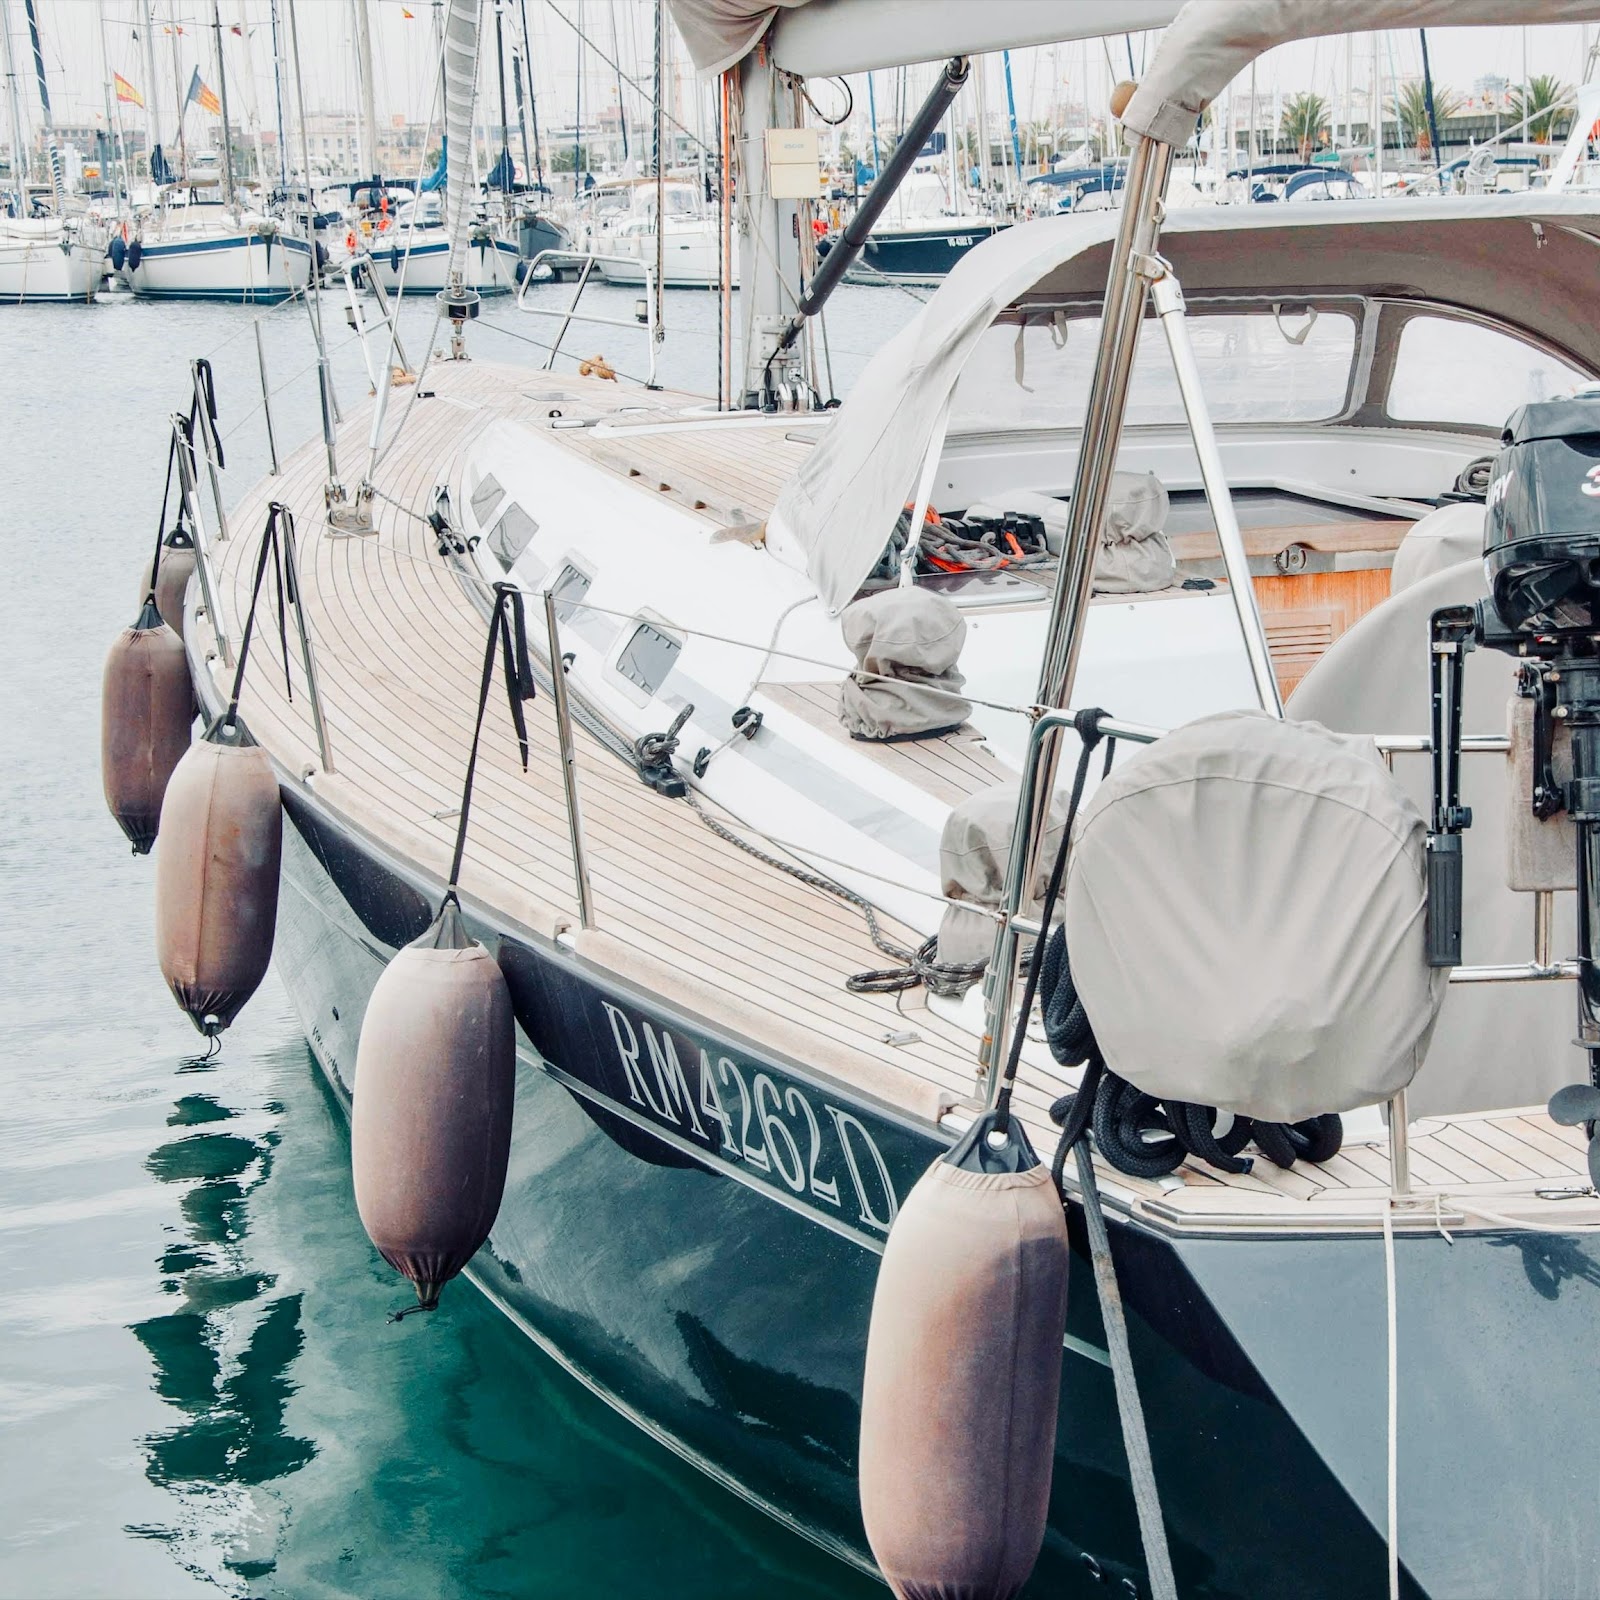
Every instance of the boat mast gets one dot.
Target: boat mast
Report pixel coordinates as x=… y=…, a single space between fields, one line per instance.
x=183 y=104
x=533 y=99
x=57 y=188
x=279 y=73
x=622 y=104
x=504 y=160
x=369 y=114
x=152 y=100
x=19 y=142
x=222 y=96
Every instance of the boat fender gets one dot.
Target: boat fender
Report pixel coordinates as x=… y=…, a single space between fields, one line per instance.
x=173 y=574
x=135 y=255
x=430 y=1131
x=963 y=1374
x=146 y=708
x=222 y=840
x=431 y=1124
x=118 y=251
x=217 y=874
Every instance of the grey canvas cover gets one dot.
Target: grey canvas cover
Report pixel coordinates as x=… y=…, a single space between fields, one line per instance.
x=1444 y=538
x=1134 y=556
x=906 y=643
x=974 y=851
x=1245 y=915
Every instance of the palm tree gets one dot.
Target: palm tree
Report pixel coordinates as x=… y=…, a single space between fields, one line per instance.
x=1409 y=107
x=1305 y=117
x=1542 y=100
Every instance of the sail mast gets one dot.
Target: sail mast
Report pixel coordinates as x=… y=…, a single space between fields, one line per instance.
x=222 y=96
x=152 y=100
x=533 y=99
x=19 y=141
x=57 y=188
x=369 y=113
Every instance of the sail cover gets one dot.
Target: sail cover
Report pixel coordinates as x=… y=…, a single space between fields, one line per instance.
x=1212 y=41
x=460 y=85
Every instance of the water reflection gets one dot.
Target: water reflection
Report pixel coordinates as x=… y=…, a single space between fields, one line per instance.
x=223 y=1355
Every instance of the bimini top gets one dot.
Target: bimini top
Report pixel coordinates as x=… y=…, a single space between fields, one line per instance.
x=1530 y=262
x=1212 y=41
x=818 y=38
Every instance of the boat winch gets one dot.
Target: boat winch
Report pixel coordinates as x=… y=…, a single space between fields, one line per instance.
x=1245 y=916
x=906 y=642
x=430 y=1128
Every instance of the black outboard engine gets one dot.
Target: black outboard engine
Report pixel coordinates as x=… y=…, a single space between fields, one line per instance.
x=1542 y=558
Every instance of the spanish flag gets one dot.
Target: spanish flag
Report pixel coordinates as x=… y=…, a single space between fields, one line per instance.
x=126 y=93
x=202 y=96
x=410 y=16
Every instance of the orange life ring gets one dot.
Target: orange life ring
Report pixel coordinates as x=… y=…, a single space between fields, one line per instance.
x=350 y=240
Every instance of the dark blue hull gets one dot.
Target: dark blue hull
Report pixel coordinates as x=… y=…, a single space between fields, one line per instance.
x=703 y=1255
x=920 y=255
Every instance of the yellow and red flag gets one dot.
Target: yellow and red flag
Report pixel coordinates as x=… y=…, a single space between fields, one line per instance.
x=202 y=95
x=126 y=93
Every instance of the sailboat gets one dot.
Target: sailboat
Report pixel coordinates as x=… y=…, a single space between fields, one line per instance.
x=750 y=835
x=194 y=249
x=50 y=256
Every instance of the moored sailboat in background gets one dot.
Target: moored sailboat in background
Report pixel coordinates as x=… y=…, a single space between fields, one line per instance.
x=48 y=256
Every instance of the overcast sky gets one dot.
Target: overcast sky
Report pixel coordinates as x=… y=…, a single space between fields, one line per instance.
x=406 y=61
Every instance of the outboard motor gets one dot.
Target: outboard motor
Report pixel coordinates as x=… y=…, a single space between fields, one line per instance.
x=1542 y=558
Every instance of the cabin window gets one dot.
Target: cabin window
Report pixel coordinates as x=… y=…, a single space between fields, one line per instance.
x=648 y=657
x=571 y=585
x=1251 y=370
x=1450 y=371
x=512 y=533
x=486 y=497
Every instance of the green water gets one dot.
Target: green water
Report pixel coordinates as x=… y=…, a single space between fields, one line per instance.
x=199 y=1388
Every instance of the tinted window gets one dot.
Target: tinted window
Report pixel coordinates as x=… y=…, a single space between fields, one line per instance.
x=648 y=657
x=1450 y=371
x=511 y=534
x=571 y=585
x=1251 y=370
x=485 y=498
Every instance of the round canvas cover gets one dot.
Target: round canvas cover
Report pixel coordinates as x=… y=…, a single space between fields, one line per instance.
x=1441 y=540
x=1245 y=912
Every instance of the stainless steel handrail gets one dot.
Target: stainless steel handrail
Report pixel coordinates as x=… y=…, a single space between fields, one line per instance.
x=203 y=417
x=189 y=492
x=266 y=399
x=571 y=314
x=308 y=660
x=1166 y=294
x=569 y=763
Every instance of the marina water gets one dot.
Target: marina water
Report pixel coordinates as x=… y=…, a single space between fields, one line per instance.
x=200 y=1392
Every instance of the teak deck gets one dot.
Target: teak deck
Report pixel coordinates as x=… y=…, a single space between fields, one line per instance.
x=398 y=646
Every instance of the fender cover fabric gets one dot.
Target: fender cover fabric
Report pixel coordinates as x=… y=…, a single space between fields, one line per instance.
x=963 y=1381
